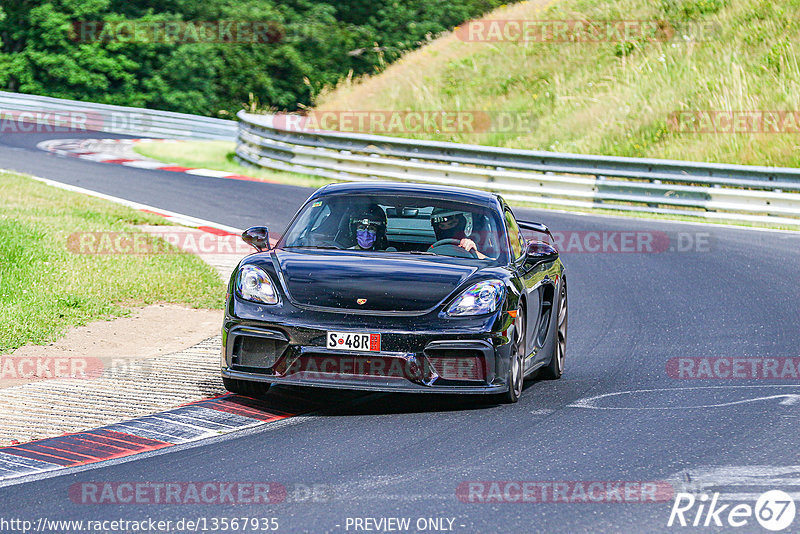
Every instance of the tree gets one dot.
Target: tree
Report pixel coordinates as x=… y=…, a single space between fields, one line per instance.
x=70 y=49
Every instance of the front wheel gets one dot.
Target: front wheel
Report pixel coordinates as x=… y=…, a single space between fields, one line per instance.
x=555 y=368
x=245 y=387
x=516 y=367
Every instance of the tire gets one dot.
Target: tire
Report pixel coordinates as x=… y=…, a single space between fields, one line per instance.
x=246 y=388
x=516 y=368
x=555 y=368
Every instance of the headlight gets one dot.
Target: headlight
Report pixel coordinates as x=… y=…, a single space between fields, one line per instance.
x=254 y=284
x=480 y=298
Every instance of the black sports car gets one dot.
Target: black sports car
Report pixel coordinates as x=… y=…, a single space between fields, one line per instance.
x=397 y=287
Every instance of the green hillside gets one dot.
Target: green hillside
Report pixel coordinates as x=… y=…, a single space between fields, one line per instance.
x=614 y=97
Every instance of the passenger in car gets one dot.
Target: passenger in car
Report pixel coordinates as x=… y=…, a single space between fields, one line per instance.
x=368 y=229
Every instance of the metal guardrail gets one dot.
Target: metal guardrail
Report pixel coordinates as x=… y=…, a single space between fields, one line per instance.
x=710 y=190
x=73 y=115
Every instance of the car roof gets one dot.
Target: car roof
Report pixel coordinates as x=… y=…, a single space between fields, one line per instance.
x=474 y=196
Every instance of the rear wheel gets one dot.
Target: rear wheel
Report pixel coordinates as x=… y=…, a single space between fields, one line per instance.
x=245 y=387
x=555 y=368
x=516 y=368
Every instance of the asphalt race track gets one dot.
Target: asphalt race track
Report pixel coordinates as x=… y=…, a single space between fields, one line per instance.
x=622 y=412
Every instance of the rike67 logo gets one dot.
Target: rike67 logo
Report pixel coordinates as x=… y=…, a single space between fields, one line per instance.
x=774 y=510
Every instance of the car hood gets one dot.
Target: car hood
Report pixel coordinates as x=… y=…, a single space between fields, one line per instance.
x=342 y=279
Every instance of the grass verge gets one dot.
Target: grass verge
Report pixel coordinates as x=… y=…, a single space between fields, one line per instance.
x=45 y=288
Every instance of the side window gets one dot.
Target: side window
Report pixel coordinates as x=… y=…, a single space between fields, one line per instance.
x=514 y=237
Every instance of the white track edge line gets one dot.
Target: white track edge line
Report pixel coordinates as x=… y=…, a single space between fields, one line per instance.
x=179 y=218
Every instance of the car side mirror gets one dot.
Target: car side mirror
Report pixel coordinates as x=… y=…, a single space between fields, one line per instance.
x=539 y=252
x=257 y=237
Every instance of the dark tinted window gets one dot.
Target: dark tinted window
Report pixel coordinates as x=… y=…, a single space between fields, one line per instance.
x=405 y=224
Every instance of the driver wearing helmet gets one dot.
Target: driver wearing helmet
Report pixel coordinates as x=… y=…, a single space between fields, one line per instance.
x=452 y=224
x=368 y=228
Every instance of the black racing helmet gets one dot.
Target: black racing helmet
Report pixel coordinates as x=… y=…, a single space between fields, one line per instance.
x=448 y=223
x=371 y=217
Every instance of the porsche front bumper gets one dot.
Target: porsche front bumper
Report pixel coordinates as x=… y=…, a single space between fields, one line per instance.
x=469 y=359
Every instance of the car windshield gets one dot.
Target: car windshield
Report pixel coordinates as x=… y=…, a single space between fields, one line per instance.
x=425 y=226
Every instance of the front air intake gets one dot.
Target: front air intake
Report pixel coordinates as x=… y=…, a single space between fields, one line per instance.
x=457 y=364
x=256 y=352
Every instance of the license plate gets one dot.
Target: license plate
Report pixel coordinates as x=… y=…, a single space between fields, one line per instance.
x=351 y=341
